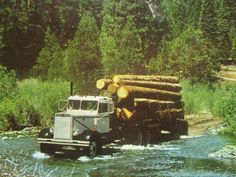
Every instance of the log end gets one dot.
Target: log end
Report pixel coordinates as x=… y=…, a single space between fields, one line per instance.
x=116 y=79
x=100 y=84
x=122 y=92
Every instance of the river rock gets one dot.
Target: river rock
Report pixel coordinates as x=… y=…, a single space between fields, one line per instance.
x=226 y=152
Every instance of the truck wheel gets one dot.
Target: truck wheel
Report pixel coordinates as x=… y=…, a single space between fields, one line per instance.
x=146 y=137
x=139 y=138
x=47 y=148
x=94 y=149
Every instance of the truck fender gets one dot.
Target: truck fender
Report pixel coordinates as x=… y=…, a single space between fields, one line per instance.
x=46 y=133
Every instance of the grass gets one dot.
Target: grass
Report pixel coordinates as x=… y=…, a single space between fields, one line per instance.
x=219 y=99
x=34 y=103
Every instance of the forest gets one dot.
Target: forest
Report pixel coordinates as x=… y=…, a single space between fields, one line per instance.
x=55 y=41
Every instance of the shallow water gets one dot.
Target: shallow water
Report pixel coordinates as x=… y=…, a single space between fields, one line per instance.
x=188 y=156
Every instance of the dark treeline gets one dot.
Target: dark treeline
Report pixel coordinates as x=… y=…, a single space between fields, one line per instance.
x=82 y=40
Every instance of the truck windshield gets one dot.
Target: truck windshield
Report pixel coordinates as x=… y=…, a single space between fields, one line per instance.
x=74 y=104
x=89 y=105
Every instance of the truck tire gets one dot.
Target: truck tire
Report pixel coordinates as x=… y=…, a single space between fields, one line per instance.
x=47 y=148
x=183 y=127
x=146 y=137
x=94 y=149
x=138 y=138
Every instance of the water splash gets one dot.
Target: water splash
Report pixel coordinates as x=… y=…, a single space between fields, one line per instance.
x=149 y=147
x=40 y=155
x=189 y=137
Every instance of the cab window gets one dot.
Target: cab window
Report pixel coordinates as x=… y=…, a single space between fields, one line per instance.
x=89 y=105
x=103 y=107
x=74 y=104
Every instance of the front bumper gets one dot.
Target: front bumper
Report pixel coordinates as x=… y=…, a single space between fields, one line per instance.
x=63 y=142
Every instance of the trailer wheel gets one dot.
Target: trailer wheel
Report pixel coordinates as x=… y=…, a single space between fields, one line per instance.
x=146 y=137
x=138 y=138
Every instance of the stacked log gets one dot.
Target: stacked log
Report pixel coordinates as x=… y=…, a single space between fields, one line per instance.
x=103 y=83
x=168 y=79
x=143 y=92
x=141 y=95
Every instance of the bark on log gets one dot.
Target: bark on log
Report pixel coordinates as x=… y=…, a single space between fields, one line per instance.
x=152 y=84
x=171 y=114
x=170 y=79
x=112 y=88
x=156 y=104
x=142 y=92
x=103 y=83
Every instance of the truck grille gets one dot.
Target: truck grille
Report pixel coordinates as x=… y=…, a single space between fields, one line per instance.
x=63 y=128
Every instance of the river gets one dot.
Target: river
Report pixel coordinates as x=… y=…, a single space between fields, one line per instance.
x=188 y=156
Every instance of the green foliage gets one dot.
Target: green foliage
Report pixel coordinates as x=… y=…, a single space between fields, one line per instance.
x=50 y=63
x=83 y=54
x=35 y=104
x=8 y=86
x=233 y=42
x=181 y=14
x=220 y=100
x=120 y=41
x=188 y=56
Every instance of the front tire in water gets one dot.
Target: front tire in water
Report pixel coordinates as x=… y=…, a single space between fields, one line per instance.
x=94 y=149
x=47 y=148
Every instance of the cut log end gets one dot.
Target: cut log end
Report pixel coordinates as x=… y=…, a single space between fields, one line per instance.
x=112 y=88
x=103 y=83
x=122 y=92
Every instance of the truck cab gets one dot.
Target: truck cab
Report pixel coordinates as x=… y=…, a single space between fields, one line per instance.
x=83 y=125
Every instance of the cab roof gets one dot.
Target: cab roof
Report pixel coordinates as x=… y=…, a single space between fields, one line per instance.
x=90 y=98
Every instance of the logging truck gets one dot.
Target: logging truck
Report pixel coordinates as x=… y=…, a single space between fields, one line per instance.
x=134 y=109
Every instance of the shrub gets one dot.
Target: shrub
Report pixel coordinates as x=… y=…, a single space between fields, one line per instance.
x=8 y=85
x=34 y=104
x=220 y=100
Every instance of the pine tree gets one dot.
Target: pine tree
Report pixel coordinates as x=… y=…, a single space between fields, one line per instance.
x=208 y=21
x=120 y=42
x=50 y=61
x=223 y=39
x=83 y=54
x=189 y=56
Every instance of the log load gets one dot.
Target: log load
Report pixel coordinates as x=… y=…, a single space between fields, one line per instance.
x=143 y=92
x=170 y=79
x=171 y=114
x=174 y=87
x=103 y=83
x=143 y=103
x=112 y=88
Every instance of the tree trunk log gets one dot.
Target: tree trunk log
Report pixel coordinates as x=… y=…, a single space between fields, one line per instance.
x=152 y=84
x=156 y=104
x=103 y=83
x=112 y=88
x=170 y=79
x=142 y=92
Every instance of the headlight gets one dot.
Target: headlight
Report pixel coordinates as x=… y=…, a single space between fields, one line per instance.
x=51 y=130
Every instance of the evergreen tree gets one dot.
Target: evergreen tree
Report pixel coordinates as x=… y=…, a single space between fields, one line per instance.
x=83 y=54
x=189 y=56
x=223 y=40
x=120 y=42
x=50 y=60
x=208 y=21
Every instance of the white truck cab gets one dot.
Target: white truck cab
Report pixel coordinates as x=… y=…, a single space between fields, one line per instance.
x=82 y=124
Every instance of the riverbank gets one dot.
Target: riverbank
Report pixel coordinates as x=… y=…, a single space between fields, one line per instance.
x=203 y=123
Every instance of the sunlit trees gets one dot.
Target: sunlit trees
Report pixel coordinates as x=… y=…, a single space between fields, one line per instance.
x=189 y=56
